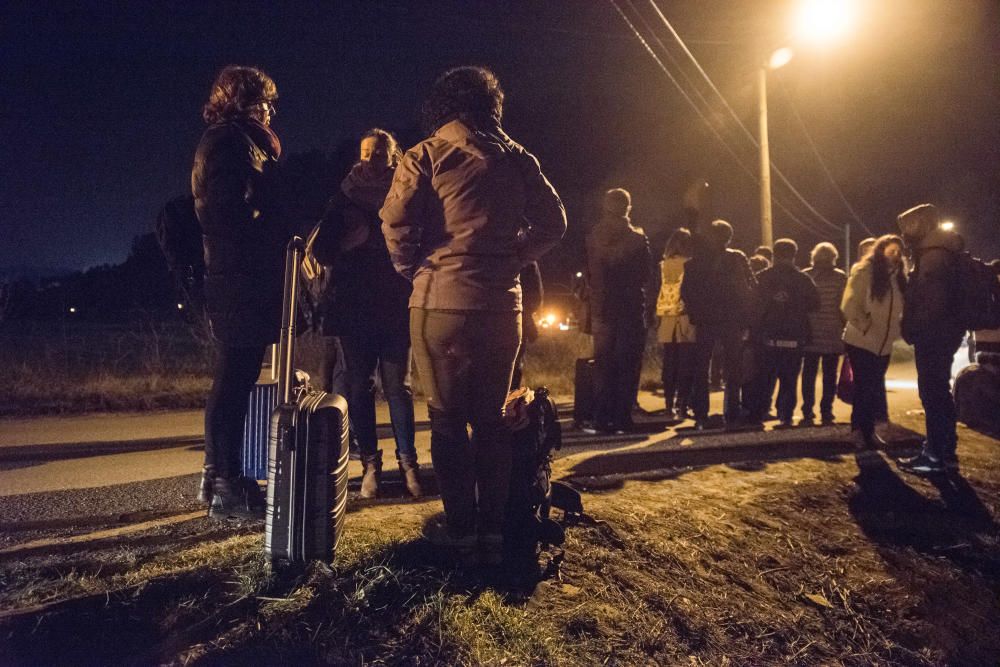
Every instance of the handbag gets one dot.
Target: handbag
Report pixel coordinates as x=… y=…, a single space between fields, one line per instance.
x=845 y=384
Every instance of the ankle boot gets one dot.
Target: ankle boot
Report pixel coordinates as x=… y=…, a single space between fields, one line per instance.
x=408 y=470
x=205 y=488
x=372 y=475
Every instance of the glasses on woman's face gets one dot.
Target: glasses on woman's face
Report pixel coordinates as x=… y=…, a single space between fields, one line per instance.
x=267 y=106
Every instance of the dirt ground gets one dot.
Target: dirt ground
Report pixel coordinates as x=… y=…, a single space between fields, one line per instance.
x=776 y=557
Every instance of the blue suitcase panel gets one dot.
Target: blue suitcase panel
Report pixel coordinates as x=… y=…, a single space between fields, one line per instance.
x=256 y=429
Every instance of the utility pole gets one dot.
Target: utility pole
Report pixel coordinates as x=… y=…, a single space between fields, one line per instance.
x=766 y=228
x=847 y=247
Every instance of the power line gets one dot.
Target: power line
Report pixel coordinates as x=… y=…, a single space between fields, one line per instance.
x=708 y=123
x=819 y=158
x=732 y=113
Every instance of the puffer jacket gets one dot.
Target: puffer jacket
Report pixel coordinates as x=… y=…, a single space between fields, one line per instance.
x=675 y=325
x=619 y=265
x=827 y=323
x=467 y=210
x=872 y=324
x=931 y=313
x=234 y=181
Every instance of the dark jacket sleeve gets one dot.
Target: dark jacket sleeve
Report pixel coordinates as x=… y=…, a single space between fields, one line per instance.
x=543 y=212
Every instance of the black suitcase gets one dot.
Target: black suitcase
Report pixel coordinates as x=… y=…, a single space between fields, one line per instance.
x=583 y=391
x=307 y=454
x=256 y=426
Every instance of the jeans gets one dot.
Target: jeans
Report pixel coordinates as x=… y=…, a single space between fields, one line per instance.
x=731 y=339
x=465 y=360
x=235 y=373
x=933 y=360
x=811 y=362
x=678 y=373
x=618 y=347
x=869 y=388
x=779 y=366
x=388 y=351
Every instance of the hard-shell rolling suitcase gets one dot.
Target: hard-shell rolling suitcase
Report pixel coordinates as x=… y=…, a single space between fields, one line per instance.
x=583 y=391
x=256 y=426
x=307 y=455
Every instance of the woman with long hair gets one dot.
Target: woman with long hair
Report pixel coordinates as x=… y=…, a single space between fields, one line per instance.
x=675 y=334
x=873 y=308
x=469 y=208
x=233 y=181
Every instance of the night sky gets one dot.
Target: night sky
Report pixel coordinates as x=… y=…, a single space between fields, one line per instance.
x=100 y=110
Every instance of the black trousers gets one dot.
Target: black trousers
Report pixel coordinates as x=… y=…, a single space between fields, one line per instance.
x=811 y=362
x=678 y=373
x=779 y=366
x=934 y=361
x=618 y=347
x=869 y=388
x=235 y=373
x=731 y=340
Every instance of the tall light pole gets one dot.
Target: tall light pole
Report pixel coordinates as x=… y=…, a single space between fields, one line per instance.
x=816 y=21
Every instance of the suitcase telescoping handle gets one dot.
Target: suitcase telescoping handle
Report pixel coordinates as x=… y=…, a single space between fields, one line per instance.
x=286 y=342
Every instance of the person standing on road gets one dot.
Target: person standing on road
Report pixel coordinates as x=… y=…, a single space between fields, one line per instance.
x=717 y=290
x=675 y=334
x=826 y=325
x=931 y=324
x=468 y=209
x=873 y=306
x=784 y=299
x=234 y=183
x=619 y=265
x=369 y=310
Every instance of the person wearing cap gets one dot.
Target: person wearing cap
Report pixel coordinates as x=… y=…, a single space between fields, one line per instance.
x=931 y=325
x=620 y=266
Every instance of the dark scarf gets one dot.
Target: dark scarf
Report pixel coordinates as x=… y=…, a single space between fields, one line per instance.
x=263 y=136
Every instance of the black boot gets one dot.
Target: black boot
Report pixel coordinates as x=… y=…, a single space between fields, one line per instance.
x=372 y=478
x=236 y=498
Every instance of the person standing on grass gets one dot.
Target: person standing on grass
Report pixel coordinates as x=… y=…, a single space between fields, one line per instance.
x=619 y=265
x=234 y=183
x=827 y=326
x=675 y=334
x=872 y=305
x=369 y=311
x=468 y=209
x=717 y=289
x=784 y=299
x=931 y=324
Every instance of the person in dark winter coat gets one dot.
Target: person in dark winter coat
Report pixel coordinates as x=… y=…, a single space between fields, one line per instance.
x=369 y=311
x=234 y=183
x=826 y=325
x=784 y=298
x=468 y=209
x=932 y=326
x=619 y=265
x=717 y=289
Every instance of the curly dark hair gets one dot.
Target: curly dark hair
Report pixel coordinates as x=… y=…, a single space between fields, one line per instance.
x=881 y=271
x=236 y=88
x=470 y=94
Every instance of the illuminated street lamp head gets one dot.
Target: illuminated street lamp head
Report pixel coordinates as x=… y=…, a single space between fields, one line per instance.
x=947 y=225
x=822 y=21
x=780 y=58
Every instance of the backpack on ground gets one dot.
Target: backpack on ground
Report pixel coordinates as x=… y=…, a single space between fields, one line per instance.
x=534 y=422
x=179 y=234
x=978 y=293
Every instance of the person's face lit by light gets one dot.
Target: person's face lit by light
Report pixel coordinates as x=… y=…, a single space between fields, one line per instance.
x=894 y=253
x=375 y=153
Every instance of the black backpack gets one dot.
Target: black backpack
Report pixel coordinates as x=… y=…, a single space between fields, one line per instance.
x=179 y=235
x=978 y=293
x=530 y=497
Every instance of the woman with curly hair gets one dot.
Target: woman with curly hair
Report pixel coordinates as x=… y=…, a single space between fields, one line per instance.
x=468 y=209
x=873 y=308
x=233 y=183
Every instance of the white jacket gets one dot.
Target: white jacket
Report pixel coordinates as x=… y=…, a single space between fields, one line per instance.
x=872 y=324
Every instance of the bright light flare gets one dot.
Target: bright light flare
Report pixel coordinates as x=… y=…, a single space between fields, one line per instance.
x=948 y=225
x=72 y=309
x=180 y=306
x=780 y=58
x=823 y=21
x=551 y=319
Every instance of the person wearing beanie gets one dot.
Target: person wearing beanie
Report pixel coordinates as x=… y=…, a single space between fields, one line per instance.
x=620 y=266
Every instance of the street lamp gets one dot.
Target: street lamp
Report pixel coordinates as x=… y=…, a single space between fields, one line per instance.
x=815 y=22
